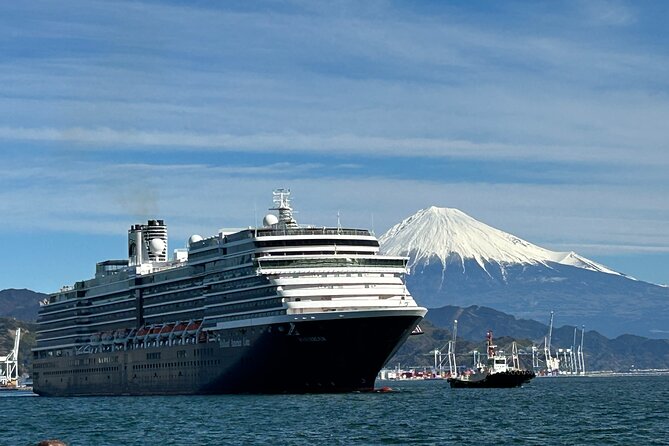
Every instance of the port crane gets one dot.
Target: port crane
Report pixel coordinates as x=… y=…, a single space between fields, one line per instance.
x=452 y=366
x=552 y=364
x=438 y=358
x=579 y=356
x=570 y=361
x=9 y=365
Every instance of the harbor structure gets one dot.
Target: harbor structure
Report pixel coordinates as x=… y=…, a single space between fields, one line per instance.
x=9 y=364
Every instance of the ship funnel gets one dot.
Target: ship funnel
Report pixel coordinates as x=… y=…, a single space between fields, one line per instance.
x=147 y=243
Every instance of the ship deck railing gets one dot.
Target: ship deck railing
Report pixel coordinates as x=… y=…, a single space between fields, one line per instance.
x=270 y=232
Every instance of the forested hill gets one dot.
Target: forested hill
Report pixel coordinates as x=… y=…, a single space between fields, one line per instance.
x=8 y=328
x=20 y=304
x=624 y=353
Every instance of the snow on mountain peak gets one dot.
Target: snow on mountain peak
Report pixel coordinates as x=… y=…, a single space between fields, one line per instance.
x=447 y=232
x=573 y=259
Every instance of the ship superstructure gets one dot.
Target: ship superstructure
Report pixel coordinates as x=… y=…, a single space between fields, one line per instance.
x=277 y=308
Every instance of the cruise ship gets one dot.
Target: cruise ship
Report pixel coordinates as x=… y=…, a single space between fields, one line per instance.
x=276 y=308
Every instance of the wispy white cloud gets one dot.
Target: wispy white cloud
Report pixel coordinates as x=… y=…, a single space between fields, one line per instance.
x=367 y=80
x=608 y=249
x=84 y=139
x=130 y=109
x=608 y=12
x=197 y=196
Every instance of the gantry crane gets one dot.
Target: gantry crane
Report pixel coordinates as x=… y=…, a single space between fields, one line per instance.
x=9 y=365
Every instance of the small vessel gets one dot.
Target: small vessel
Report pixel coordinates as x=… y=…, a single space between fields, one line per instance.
x=496 y=372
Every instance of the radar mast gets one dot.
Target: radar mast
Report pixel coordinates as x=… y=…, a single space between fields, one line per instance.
x=281 y=198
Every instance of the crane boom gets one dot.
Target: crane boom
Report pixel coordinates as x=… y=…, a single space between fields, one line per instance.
x=9 y=365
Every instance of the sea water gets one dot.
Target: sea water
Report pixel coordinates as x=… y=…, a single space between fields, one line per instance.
x=546 y=411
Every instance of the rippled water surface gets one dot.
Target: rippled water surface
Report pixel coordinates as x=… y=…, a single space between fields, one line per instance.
x=547 y=411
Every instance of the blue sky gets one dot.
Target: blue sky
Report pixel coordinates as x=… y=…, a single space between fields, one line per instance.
x=547 y=120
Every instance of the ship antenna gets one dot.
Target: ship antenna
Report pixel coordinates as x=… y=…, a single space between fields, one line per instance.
x=491 y=347
x=281 y=198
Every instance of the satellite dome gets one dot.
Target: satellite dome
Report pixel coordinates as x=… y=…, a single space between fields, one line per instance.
x=157 y=246
x=270 y=220
x=194 y=239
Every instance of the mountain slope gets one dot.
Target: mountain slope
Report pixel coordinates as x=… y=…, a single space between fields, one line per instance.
x=20 y=304
x=457 y=260
x=446 y=233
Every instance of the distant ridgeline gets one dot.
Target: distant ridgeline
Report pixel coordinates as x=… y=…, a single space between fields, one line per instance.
x=624 y=353
x=20 y=304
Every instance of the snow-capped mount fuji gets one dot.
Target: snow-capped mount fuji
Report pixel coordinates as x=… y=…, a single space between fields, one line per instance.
x=455 y=259
x=445 y=232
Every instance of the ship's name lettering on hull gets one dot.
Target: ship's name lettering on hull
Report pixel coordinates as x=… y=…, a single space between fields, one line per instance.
x=313 y=339
x=227 y=343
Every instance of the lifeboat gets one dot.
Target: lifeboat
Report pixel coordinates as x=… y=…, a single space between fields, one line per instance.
x=142 y=332
x=166 y=330
x=181 y=326
x=193 y=326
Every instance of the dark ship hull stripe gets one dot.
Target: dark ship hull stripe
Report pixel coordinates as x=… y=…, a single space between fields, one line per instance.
x=336 y=355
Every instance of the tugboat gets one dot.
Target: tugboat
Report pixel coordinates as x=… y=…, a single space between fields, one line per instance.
x=496 y=372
